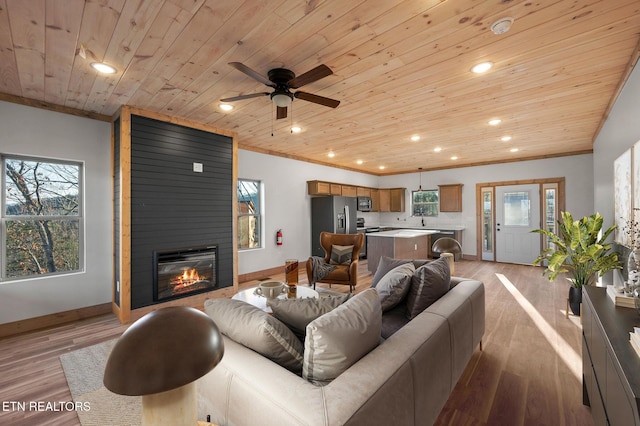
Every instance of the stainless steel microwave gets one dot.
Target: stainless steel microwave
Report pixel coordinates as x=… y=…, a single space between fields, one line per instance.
x=364 y=204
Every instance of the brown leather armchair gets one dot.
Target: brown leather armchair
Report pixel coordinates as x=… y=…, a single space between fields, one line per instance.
x=342 y=274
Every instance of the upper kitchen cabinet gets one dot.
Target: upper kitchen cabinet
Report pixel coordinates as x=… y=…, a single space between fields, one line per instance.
x=375 y=200
x=363 y=192
x=316 y=187
x=392 y=200
x=349 y=191
x=451 y=197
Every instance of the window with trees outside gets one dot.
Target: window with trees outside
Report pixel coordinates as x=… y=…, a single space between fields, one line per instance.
x=249 y=214
x=425 y=203
x=42 y=222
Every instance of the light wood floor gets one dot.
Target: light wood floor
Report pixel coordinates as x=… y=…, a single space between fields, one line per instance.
x=527 y=374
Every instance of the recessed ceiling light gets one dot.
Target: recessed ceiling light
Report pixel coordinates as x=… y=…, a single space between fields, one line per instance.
x=226 y=107
x=437 y=149
x=359 y=162
x=495 y=122
x=381 y=167
x=505 y=138
x=103 y=68
x=455 y=157
x=482 y=67
x=514 y=150
x=331 y=154
x=296 y=129
x=415 y=138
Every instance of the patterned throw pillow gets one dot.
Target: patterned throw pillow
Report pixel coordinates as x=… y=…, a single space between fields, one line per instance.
x=340 y=255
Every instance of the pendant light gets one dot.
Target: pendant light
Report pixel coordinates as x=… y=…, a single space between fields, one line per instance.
x=420 y=187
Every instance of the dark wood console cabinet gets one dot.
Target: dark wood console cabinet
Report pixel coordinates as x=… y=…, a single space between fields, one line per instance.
x=610 y=366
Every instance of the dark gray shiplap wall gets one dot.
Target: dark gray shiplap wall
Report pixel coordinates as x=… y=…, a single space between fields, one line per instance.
x=174 y=207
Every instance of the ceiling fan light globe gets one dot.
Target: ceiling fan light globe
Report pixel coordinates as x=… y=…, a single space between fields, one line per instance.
x=282 y=99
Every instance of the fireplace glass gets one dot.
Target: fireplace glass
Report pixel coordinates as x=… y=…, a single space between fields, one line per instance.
x=184 y=272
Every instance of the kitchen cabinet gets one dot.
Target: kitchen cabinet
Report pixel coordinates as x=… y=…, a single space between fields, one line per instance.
x=349 y=191
x=375 y=200
x=451 y=197
x=397 y=199
x=392 y=199
x=385 y=200
x=363 y=192
x=317 y=187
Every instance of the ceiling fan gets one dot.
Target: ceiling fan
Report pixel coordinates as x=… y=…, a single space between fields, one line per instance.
x=283 y=80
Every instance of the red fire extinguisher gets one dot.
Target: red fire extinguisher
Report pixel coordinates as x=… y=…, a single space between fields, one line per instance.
x=279 y=237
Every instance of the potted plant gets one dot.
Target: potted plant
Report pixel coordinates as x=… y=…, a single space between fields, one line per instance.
x=580 y=251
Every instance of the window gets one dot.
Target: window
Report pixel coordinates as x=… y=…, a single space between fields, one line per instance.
x=42 y=223
x=425 y=203
x=249 y=214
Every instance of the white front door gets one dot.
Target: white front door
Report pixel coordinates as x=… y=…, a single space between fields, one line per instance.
x=517 y=214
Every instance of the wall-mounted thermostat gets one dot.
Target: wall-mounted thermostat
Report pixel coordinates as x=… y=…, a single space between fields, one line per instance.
x=197 y=167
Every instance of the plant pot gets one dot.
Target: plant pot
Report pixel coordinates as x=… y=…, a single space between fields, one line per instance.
x=575 y=299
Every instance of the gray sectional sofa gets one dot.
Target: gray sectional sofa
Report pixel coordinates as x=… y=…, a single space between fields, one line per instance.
x=405 y=380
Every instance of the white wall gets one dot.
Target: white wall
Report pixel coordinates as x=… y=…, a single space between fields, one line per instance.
x=286 y=205
x=36 y=132
x=619 y=132
x=577 y=171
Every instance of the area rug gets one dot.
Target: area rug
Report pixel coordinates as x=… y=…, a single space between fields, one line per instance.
x=84 y=369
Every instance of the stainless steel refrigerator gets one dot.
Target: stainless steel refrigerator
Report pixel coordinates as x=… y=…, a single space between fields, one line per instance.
x=331 y=214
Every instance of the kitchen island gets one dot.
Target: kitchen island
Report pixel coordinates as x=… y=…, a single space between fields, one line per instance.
x=398 y=244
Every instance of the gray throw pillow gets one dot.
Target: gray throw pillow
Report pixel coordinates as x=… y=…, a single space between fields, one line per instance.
x=338 y=339
x=385 y=265
x=252 y=327
x=298 y=313
x=340 y=255
x=430 y=282
x=393 y=287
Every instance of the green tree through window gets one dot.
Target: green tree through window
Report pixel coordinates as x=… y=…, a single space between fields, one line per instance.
x=41 y=217
x=425 y=203
x=248 y=214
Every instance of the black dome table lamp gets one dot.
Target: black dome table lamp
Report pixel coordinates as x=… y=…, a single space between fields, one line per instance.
x=160 y=357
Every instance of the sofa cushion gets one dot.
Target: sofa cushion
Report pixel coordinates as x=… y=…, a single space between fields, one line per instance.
x=428 y=284
x=393 y=287
x=393 y=320
x=338 y=339
x=385 y=265
x=340 y=255
x=298 y=313
x=257 y=330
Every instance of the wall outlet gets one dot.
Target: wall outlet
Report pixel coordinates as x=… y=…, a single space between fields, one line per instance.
x=198 y=167
x=415 y=246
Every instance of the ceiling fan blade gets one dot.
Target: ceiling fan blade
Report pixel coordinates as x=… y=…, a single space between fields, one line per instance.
x=332 y=103
x=281 y=112
x=241 y=97
x=321 y=71
x=251 y=73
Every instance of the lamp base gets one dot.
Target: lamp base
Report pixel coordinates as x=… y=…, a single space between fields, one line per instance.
x=175 y=407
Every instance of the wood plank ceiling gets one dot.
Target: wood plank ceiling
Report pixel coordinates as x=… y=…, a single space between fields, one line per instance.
x=400 y=68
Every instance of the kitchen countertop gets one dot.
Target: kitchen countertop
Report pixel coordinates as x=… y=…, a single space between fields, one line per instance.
x=403 y=233
x=418 y=227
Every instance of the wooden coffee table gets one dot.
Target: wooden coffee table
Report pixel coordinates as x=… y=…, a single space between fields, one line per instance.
x=258 y=301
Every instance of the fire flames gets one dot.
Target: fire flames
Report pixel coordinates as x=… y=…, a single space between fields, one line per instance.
x=187 y=278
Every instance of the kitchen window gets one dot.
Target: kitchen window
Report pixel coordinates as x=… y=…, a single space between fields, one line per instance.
x=42 y=217
x=249 y=214
x=425 y=203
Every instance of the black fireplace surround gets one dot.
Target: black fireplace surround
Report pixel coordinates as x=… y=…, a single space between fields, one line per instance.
x=184 y=272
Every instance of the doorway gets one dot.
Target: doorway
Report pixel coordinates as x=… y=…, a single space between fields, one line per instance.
x=509 y=211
